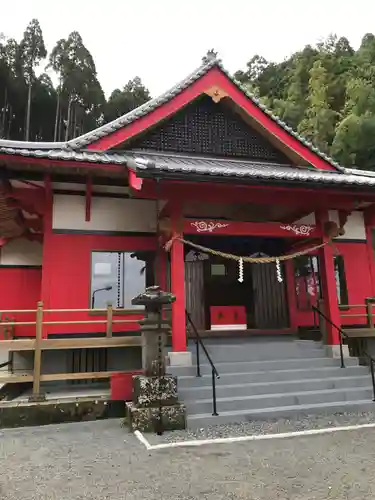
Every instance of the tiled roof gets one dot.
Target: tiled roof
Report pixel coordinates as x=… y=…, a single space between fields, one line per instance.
x=104 y=157
x=154 y=164
x=103 y=131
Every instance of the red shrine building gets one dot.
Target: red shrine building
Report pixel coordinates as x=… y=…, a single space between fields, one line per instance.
x=205 y=166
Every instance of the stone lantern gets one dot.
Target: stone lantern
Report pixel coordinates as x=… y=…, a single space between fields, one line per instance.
x=155 y=405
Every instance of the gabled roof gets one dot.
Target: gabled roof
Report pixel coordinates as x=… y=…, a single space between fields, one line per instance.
x=209 y=63
x=145 y=164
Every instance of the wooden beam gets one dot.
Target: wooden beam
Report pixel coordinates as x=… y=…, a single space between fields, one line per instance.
x=91 y=343
x=358 y=333
x=109 y=325
x=17 y=345
x=38 y=353
x=219 y=193
x=16 y=378
x=68 y=343
x=88 y=199
x=50 y=377
x=235 y=228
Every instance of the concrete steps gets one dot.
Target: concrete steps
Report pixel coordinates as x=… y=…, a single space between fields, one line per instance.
x=270 y=365
x=280 y=399
x=273 y=376
x=203 y=420
x=259 y=352
x=269 y=378
x=244 y=390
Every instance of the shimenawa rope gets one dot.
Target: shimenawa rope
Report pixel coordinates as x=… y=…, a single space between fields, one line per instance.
x=332 y=231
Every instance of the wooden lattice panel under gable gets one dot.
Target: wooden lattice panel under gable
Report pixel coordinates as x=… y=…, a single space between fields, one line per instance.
x=208 y=128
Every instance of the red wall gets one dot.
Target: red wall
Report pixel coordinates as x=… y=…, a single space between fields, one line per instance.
x=67 y=271
x=20 y=289
x=358 y=279
x=67 y=275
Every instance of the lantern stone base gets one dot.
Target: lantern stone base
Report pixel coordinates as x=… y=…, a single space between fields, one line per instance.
x=147 y=419
x=155 y=398
x=333 y=351
x=148 y=391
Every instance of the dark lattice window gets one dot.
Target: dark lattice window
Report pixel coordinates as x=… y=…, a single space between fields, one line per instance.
x=204 y=127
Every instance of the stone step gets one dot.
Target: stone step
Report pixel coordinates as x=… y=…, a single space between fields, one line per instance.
x=279 y=399
x=272 y=376
x=254 y=366
x=245 y=355
x=246 y=352
x=231 y=417
x=259 y=343
x=256 y=340
x=243 y=390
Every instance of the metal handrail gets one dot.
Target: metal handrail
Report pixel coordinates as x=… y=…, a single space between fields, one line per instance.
x=340 y=331
x=214 y=373
x=342 y=335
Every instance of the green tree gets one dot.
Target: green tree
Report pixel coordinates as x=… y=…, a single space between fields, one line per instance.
x=58 y=61
x=318 y=124
x=33 y=51
x=133 y=94
x=80 y=96
x=13 y=90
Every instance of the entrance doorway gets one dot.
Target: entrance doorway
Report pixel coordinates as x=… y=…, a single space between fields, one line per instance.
x=218 y=301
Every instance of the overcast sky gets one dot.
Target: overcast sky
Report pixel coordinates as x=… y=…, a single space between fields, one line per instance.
x=163 y=40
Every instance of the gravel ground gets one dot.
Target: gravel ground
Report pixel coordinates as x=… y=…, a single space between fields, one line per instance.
x=91 y=461
x=265 y=427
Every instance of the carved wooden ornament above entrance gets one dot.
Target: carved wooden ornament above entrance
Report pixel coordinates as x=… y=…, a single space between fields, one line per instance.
x=216 y=93
x=207 y=227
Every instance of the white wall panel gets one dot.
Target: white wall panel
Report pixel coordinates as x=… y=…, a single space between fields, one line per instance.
x=107 y=214
x=354 y=227
x=21 y=252
x=308 y=219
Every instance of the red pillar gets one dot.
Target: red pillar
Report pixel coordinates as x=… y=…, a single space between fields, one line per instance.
x=178 y=283
x=328 y=283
